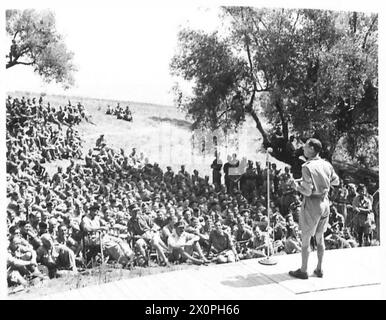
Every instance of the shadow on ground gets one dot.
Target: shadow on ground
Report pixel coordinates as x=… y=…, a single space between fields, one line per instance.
x=174 y=121
x=257 y=279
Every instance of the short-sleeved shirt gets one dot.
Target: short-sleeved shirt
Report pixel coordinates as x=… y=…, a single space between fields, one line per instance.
x=181 y=240
x=362 y=203
x=319 y=175
x=89 y=223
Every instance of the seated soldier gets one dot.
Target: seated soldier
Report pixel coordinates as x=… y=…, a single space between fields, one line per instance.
x=222 y=245
x=100 y=141
x=349 y=238
x=109 y=110
x=336 y=218
x=141 y=228
x=91 y=226
x=243 y=235
x=196 y=227
x=55 y=256
x=21 y=261
x=18 y=269
x=66 y=238
x=292 y=242
x=260 y=244
x=183 y=244
x=167 y=230
x=336 y=240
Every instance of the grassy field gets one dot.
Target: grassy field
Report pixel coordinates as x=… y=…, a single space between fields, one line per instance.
x=96 y=276
x=161 y=132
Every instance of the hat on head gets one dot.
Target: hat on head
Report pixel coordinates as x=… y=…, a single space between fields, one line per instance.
x=133 y=206
x=43 y=225
x=94 y=206
x=180 y=224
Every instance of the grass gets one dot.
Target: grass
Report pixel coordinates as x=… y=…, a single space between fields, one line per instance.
x=96 y=276
x=161 y=132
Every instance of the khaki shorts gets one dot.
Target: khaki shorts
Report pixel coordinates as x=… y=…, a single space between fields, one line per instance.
x=314 y=215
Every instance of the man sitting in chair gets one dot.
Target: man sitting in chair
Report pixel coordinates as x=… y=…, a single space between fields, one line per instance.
x=92 y=226
x=143 y=231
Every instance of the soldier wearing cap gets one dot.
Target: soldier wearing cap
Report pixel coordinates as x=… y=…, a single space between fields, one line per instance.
x=143 y=230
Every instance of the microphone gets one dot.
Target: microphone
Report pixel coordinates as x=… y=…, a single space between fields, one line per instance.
x=269 y=151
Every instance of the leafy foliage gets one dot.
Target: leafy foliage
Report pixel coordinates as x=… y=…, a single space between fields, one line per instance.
x=207 y=60
x=311 y=72
x=37 y=43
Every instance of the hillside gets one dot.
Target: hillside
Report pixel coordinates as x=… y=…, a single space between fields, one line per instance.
x=161 y=132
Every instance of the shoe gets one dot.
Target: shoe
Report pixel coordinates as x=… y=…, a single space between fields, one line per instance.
x=299 y=274
x=204 y=262
x=318 y=273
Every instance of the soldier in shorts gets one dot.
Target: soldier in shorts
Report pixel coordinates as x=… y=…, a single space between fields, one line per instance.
x=318 y=176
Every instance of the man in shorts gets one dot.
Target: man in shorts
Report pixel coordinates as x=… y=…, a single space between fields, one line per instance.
x=318 y=176
x=182 y=245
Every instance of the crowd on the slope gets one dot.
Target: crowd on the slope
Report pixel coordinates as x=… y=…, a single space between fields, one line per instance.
x=114 y=206
x=120 y=112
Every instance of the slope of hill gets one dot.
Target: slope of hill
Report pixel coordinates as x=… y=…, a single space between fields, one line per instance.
x=161 y=132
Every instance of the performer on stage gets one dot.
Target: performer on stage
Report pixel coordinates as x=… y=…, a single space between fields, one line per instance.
x=318 y=176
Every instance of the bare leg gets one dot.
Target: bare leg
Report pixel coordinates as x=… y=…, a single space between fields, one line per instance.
x=141 y=247
x=320 y=245
x=197 y=247
x=160 y=252
x=188 y=256
x=305 y=252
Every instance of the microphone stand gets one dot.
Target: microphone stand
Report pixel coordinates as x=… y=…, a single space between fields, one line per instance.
x=269 y=260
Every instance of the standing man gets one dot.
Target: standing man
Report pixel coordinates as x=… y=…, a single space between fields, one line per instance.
x=362 y=207
x=216 y=171
x=318 y=176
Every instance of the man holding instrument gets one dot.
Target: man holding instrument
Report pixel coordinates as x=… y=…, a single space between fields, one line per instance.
x=318 y=176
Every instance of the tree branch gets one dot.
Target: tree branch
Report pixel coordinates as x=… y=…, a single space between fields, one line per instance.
x=296 y=21
x=368 y=31
x=16 y=33
x=15 y=62
x=224 y=112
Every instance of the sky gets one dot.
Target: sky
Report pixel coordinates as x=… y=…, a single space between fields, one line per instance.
x=120 y=52
x=123 y=50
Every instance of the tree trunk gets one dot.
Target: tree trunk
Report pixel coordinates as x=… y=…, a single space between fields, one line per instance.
x=284 y=123
x=259 y=126
x=282 y=156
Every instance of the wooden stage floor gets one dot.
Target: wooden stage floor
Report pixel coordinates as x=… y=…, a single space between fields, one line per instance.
x=348 y=274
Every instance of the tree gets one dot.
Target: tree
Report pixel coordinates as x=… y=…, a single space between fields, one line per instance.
x=36 y=43
x=306 y=71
